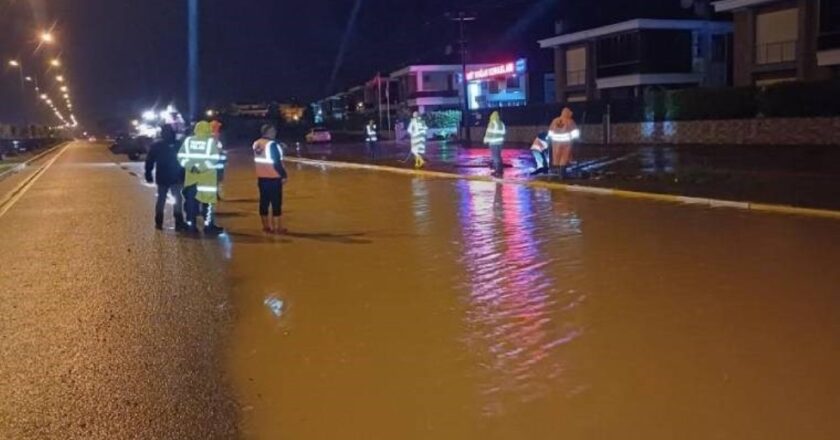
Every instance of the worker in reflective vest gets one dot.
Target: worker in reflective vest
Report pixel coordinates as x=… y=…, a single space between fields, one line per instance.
x=495 y=139
x=271 y=175
x=540 y=151
x=417 y=129
x=371 y=139
x=562 y=132
x=200 y=156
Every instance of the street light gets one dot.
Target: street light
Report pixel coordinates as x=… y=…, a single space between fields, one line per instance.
x=59 y=78
x=47 y=37
x=55 y=62
x=64 y=89
x=28 y=79
x=14 y=63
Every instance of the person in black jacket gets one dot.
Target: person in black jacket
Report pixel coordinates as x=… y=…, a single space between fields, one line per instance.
x=169 y=176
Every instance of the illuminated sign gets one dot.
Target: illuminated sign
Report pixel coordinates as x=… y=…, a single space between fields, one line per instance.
x=499 y=70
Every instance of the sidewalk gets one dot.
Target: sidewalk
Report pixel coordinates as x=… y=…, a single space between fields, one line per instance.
x=805 y=177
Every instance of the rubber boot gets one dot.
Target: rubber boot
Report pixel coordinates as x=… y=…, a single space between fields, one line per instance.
x=159 y=222
x=210 y=226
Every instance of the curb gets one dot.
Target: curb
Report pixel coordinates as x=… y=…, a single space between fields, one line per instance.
x=23 y=165
x=638 y=195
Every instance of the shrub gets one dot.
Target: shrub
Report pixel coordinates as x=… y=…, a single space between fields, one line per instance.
x=795 y=99
x=700 y=103
x=443 y=119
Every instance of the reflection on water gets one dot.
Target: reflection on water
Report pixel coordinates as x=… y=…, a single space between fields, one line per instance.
x=658 y=159
x=519 y=312
x=495 y=312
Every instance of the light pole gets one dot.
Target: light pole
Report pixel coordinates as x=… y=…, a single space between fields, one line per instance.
x=23 y=119
x=462 y=18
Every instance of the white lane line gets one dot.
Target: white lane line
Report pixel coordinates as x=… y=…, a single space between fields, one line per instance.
x=20 y=191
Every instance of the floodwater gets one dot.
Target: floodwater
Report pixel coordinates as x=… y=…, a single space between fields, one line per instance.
x=410 y=308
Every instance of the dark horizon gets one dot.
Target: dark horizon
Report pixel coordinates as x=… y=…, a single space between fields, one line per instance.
x=122 y=58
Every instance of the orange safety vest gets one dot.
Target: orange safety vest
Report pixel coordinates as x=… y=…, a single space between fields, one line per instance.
x=263 y=161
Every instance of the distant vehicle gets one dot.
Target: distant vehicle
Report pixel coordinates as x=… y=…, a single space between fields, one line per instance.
x=318 y=134
x=92 y=139
x=135 y=147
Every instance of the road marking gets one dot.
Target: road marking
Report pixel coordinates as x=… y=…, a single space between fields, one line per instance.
x=21 y=190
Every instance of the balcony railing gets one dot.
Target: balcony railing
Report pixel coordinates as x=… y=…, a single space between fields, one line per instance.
x=576 y=77
x=774 y=53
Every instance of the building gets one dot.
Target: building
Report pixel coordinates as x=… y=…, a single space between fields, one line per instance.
x=291 y=113
x=622 y=60
x=253 y=110
x=428 y=87
x=499 y=85
x=437 y=87
x=784 y=40
x=440 y=86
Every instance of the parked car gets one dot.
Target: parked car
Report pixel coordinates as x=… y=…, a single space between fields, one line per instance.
x=318 y=134
x=135 y=147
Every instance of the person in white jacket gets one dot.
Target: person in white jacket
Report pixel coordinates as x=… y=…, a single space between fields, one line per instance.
x=417 y=129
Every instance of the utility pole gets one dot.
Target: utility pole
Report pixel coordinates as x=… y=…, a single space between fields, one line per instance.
x=379 y=96
x=462 y=17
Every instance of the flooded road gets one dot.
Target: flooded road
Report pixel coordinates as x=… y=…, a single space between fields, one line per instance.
x=410 y=308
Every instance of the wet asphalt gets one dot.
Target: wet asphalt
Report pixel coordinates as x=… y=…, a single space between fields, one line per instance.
x=108 y=329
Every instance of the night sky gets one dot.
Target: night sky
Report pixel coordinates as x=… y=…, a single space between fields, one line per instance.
x=122 y=56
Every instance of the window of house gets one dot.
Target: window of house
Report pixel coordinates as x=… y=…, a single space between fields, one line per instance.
x=719 y=48
x=776 y=36
x=513 y=83
x=576 y=66
x=829 y=25
x=494 y=87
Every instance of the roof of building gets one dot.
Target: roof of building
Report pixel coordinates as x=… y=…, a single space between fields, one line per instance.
x=731 y=5
x=632 y=25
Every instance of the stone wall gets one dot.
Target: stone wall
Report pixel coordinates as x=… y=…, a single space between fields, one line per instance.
x=775 y=131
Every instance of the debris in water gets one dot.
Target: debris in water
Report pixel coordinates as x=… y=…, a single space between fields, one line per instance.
x=275 y=305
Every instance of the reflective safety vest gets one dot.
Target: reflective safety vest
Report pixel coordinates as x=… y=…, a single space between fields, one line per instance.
x=495 y=133
x=201 y=159
x=565 y=137
x=370 y=133
x=263 y=160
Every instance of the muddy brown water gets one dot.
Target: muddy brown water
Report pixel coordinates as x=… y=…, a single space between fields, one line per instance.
x=410 y=308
